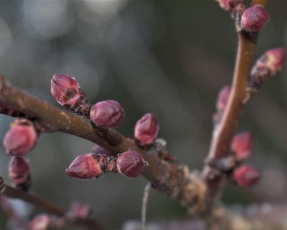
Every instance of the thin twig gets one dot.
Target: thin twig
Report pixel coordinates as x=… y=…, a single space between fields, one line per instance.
x=9 y=191
x=144 y=204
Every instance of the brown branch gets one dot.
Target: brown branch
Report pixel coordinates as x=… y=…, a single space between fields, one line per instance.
x=165 y=173
x=222 y=135
x=11 y=192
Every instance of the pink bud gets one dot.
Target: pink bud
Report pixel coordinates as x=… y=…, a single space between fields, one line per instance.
x=130 y=164
x=84 y=167
x=267 y=65
x=222 y=98
x=109 y=114
x=20 y=139
x=79 y=210
x=254 y=18
x=246 y=176
x=242 y=145
x=65 y=89
x=40 y=222
x=19 y=170
x=146 y=129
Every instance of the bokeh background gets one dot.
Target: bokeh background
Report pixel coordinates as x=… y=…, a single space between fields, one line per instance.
x=166 y=57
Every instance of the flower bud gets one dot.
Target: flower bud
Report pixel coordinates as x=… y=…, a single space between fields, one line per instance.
x=108 y=114
x=267 y=65
x=41 y=222
x=246 y=176
x=79 y=210
x=67 y=91
x=84 y=167
x=19 y=170
x=20 y=138
x=242 y=145
x=222 y=98
x=254 y=18
x=146 y=129
x=130 y=164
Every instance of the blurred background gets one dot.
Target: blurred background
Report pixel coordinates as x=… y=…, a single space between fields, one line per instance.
x=166 y=57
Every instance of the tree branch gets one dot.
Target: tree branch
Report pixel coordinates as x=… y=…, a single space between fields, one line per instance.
x=11 y=192
x=165 y=173
x=239 y=96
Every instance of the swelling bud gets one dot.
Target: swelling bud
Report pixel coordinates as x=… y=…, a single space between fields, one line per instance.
x=242 y=145
x=107 y=114
x=20 y=139
x=130 y=164
x=146 y=129
x=246 y=176
x=84 y=167
x=267 y=66
x=254 y=18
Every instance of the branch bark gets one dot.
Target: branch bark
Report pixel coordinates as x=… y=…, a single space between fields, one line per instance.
x=239 y=96
x=165 y=173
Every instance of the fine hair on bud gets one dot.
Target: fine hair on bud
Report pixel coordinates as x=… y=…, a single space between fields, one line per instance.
x=242 y=145
x=107 y=114
x=246 y=176
x=20 y=139
x=254 y=18
x=146 y=129
x=130 y=164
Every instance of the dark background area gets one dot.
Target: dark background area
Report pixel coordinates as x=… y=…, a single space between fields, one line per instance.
x=166 y=57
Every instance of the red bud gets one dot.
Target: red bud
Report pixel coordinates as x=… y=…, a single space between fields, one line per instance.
x=254 y=18
x=146 y=129
x=109 y=114
x=267 y=65
x=242 y=145
x=246 y=176
x=84 y=167
x=79 y=210
x=65 y=89
x=222 y=98
x=20 y=139
x=130 y=164
x=19 y=170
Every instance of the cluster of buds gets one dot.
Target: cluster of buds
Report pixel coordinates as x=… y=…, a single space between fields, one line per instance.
x=21 y=138
x=67 y=91
x=93 y=165
x=79 y=211
x=241 y=147
x=146 y=130
x=46 y=222
x=267 y=66
x=19 y=172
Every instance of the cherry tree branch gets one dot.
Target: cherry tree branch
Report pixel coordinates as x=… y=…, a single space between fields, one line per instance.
x=238 y=98
x=11 y=192
x=164 y=172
